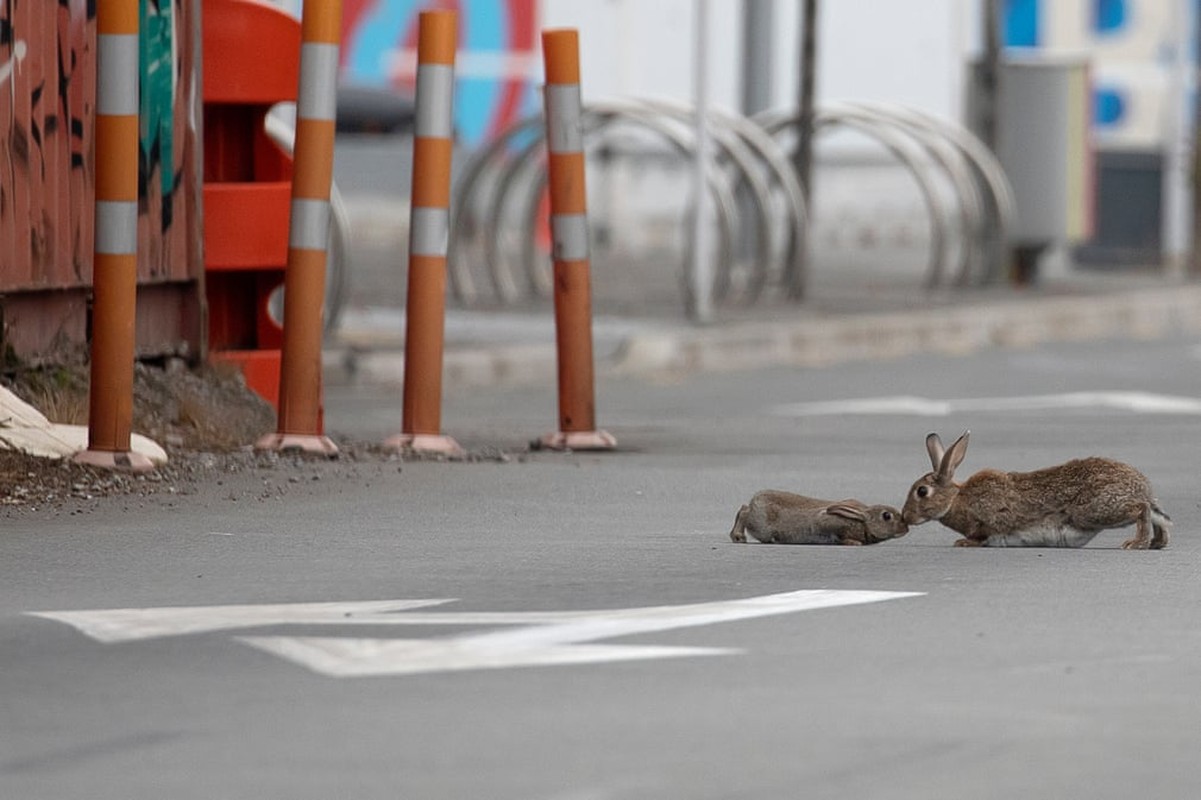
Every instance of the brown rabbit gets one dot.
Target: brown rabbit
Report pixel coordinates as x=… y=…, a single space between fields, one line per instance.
x=1062 y=506
x=775 y=517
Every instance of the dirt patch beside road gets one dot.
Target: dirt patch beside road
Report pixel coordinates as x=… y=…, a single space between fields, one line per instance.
x=205 y=418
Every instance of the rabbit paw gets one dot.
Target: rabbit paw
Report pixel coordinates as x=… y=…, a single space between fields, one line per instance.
x=1136 y=544
x=969 y=543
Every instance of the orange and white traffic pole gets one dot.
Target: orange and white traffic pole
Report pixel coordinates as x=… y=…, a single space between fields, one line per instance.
x=115 y=268
x=569 y=247
x=429 y=227
x=300 y=392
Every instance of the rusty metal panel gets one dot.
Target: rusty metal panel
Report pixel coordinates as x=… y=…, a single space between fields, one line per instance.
x=47 y=90
x=47 y=113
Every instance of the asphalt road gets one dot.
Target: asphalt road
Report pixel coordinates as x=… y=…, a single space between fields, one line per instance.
x=990 y=674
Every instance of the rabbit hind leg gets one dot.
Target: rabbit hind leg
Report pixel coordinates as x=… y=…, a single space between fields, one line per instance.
x=1143 y=527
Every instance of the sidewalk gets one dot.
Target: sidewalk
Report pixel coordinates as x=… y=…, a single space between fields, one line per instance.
x=852 y=323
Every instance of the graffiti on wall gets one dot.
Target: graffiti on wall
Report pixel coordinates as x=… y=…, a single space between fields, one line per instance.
x=17 y=50
x=157 y=64
x=164 y=73
x=497 y=53
x=47 y=117
x=43 y=116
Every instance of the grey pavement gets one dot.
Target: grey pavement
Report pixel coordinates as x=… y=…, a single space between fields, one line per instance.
x=561 y=666
x=578 y=626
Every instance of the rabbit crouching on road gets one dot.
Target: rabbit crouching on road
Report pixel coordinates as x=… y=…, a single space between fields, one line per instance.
x=1062 y=506
x=775 y=517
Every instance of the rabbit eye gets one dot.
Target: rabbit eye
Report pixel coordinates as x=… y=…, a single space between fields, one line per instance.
x=923 y=491
x=887 y=516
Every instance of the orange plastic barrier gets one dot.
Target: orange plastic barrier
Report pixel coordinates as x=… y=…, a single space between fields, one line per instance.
x=569 y=234
x=251 y=55
x=300 y=392
x=110 y=411
x=429 y=225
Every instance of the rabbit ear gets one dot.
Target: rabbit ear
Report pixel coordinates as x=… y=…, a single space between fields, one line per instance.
x=935 y=449
x=847 y=512
x=953 y=458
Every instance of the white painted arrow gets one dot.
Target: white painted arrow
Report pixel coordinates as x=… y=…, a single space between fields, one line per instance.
x=1134 y=402
x=131 y=624
x=542 y=638
x=362 y=658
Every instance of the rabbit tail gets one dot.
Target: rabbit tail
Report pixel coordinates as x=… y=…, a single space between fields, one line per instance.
x=1161 y=523
x=738 y=532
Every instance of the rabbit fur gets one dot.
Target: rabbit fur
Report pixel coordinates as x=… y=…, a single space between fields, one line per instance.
x=1062 y=506
x=777 y=517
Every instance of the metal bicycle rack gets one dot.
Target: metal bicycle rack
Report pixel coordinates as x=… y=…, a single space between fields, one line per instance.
x=761 y=218
x=935 y=151
x=499 y=177
x=766 y=154
x=283 y=133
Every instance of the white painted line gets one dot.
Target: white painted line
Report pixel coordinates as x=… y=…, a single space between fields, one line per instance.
x=541 y=638
x=133 y=624
x=908 y=405
x=337 y=657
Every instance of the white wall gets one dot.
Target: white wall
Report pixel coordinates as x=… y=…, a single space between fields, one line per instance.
x=907 y=52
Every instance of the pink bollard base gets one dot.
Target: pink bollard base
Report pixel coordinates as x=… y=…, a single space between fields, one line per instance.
x=123 y=461
x=576 y=440
x=431 y=443
x=302 y=442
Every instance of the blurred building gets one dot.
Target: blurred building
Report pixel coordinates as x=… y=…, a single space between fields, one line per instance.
x=914 y=53
x=1142 y=54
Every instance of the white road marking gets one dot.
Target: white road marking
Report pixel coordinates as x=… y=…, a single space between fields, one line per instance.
x=360 y=658
x=1134 y=402
x=542 y=638
x=132 y=624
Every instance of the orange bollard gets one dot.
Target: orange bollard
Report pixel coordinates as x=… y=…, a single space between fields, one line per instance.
x=115 y=269
x=300 y=411
x=425 y=304
x=569 y=236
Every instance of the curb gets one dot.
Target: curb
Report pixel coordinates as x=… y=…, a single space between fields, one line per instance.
x=469 y=366
x=813 y=342
x=1143 y=314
